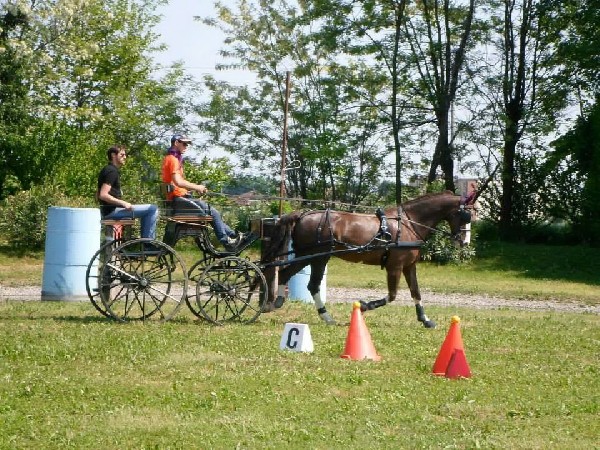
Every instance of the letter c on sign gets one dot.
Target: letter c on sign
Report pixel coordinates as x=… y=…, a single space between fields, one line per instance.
x=292 y=343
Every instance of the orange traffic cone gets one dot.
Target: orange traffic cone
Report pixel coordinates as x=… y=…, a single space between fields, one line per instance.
x=458 y=365
x=451 y=360
x=358 y=341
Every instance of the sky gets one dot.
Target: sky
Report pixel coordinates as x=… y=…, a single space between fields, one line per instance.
x=193 y=42
x=197 y=45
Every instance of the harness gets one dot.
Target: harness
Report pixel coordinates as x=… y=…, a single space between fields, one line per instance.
x=383 y=235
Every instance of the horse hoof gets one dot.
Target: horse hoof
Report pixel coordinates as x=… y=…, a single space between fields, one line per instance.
x=268 y=307
x=279 y=301
x=429 y=324
x=364 y=306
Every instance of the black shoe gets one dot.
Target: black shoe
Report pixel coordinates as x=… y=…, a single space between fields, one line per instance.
x=232 y=243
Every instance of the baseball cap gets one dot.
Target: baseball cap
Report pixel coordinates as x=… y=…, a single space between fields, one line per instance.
x=180 y=137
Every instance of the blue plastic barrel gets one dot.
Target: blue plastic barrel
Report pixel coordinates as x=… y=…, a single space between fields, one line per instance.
x=297 y=286
x=72 y=238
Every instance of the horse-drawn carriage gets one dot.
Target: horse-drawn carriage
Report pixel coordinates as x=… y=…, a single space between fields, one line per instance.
x=146 y=279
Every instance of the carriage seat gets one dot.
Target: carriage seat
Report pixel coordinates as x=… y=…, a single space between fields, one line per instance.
x=184 y=225
x=165 y=190
x=117 y=229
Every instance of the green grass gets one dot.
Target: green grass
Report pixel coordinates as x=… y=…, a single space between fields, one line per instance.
x=72 y=379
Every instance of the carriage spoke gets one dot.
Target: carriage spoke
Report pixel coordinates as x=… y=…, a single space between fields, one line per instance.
x=144 y=285
x=224 y=291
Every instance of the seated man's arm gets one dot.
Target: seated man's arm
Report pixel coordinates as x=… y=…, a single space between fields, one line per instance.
x=180 y=182
x=105 y=196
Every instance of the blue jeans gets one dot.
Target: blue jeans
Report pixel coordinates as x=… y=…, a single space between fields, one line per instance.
x=147 y=213
x=187 y=205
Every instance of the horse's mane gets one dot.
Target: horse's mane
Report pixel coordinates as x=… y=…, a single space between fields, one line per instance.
x=425 y=197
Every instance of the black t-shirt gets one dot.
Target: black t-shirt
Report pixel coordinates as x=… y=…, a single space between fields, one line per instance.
x=109 y=175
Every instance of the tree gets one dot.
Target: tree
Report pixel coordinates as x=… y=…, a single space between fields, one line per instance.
x=581 y=146
x=89 y=85
x=529 y=102
x=332 y=133
x=440 y=36
x=15 y=119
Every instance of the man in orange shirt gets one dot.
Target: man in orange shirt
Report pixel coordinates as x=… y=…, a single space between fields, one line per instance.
x=182 y=201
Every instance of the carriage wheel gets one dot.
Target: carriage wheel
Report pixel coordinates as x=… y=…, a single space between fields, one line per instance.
x=93 y=272
x=193 y=276
x=143 y=279
x=231 y=289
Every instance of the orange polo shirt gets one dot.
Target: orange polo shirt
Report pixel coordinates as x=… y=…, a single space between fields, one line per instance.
x=170 y=166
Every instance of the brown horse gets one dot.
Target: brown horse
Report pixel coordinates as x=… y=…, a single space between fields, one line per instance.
x=391 y=239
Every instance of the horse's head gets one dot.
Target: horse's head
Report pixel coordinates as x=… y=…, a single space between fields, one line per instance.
x=460 y=221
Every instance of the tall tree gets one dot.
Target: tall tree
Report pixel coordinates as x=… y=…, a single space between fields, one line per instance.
x=581 y=146
x=577 y=152
x=331 y=132
x=526 y=101
x=15 y=118
x=440 y=34
x=89 y=85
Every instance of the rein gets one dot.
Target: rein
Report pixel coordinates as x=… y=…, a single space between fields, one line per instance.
x=435 y=230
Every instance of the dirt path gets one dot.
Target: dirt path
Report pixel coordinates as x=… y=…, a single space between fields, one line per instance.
x=336 y=295
x=461 y=300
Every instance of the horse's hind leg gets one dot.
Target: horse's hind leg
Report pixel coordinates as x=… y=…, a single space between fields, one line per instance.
x=410 y=274
x=317 y=271
x=393 y=277
x=284 y=277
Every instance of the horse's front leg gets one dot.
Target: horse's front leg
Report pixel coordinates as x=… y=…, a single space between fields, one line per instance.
x=410 y=274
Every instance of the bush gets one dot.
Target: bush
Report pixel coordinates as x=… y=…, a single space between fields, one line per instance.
x=25 y=214
x=441 y=249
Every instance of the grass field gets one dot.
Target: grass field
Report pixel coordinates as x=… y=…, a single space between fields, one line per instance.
x=73 y=379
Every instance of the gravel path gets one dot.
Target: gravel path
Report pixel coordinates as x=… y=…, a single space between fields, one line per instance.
x=336 y=295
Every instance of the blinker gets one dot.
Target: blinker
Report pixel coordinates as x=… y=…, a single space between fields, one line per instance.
x=465 y=216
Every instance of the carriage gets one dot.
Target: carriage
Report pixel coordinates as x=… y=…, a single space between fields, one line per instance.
x=146 y=279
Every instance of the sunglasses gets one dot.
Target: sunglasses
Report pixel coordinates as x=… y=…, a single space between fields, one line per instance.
x=185 y=144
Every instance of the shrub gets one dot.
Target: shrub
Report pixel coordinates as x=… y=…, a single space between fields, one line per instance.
x=25 y=214
x=442 y=250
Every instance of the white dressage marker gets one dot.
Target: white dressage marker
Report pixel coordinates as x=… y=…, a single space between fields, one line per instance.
x=296 y=337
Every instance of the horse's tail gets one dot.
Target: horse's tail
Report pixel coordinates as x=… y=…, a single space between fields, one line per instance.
x=281 y=235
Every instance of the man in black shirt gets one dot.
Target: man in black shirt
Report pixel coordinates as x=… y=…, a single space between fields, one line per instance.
x=109 y=194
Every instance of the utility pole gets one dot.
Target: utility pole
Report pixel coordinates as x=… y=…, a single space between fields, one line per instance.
x=282 y=193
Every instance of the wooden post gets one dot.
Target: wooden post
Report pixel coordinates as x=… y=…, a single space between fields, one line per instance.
x=284 y=143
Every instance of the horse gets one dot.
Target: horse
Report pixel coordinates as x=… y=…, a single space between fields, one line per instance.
x=390 y=238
